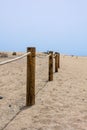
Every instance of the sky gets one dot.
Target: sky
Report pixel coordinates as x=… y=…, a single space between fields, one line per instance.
x=55 y=25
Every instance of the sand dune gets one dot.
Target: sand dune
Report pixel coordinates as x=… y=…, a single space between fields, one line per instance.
x=60 y=104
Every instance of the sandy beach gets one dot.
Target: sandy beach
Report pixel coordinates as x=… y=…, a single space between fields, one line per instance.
x=60 y=104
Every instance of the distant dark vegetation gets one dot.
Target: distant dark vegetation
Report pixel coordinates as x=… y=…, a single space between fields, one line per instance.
x=14 y=53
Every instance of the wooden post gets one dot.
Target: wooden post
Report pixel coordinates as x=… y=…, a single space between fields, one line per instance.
x=51 y=66
x=30 y=90
x=56 y=62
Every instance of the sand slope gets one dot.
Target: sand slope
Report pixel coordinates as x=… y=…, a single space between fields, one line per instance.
x=60 y=105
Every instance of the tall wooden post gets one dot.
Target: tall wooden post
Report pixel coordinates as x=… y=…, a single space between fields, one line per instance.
x=51 y=66
x=56 y=62
x=30 y=89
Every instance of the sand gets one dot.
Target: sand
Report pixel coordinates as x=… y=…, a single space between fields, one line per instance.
x=60 y=104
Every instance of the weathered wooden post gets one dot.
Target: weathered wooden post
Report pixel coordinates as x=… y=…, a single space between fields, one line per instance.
x=56 y=62
x=30 y=89
x=51 y=66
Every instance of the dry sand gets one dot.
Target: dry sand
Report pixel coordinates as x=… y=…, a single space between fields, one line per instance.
x=60 y=104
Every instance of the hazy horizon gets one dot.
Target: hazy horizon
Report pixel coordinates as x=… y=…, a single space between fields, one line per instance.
x=55 y=25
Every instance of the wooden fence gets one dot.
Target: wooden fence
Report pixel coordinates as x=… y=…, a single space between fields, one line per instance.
x=31 y=59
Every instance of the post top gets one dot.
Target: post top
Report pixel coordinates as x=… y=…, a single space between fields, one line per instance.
x=31 y=47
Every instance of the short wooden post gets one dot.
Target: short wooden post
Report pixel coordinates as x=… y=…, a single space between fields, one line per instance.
x=56 y=62
x=51 y=66
x=30 y=89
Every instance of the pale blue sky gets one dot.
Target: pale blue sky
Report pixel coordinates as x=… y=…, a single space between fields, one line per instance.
x=58 y=25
